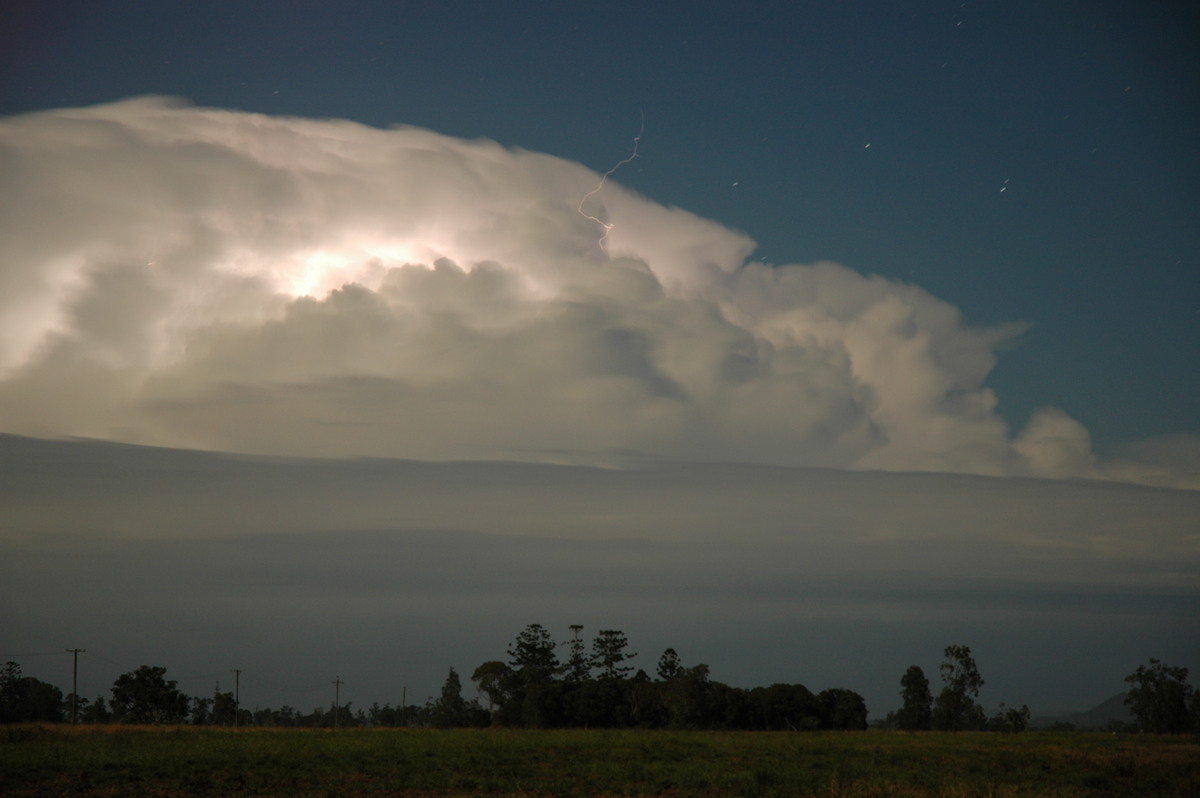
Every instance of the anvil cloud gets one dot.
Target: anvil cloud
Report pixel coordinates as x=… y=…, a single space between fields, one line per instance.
x=378 y=311
x=221 y=280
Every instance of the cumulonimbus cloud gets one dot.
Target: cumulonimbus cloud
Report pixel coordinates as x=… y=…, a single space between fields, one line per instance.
x=214 y=279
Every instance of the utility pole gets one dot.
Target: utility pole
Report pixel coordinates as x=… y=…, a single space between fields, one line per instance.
x=337 y=701
x=75 y=682
x=237 y=694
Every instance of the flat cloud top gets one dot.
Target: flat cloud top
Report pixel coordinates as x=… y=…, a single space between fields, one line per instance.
x=212 y=279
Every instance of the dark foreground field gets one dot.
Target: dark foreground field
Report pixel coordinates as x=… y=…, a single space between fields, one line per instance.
x=118 y=761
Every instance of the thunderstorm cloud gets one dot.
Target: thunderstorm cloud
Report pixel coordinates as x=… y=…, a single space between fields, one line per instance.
x=219 y=280
x=413 y=361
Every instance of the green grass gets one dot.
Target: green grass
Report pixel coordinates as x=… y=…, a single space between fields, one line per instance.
x=118 y=761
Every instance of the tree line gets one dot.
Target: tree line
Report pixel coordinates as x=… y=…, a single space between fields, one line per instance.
x=596 y=687
x=955 y=708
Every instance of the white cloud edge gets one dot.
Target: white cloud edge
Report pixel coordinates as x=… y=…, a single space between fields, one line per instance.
x=155 y=309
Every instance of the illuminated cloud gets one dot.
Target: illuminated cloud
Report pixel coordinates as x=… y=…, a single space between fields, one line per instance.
x=222 y=280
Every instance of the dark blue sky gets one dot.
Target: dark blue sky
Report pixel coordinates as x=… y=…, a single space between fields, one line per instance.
x=1024 y=161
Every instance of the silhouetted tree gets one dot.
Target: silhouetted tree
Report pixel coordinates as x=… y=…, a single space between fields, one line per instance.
x=532 y=655
x=24 y=699
x=145 y=696
x=450 y=710
x=687 y=698
x=224 y=708
x=669 y=665
x=608 y=652
x=96 y=712
x=285 y=716
x=532 y=689
x=645 y=707
x=202 y=711
x=842 y=709
x=917 y=710
x=1161 y=699
x=385 y=716
x=579 y=664
x=81 y=706
x=341 y=717
x=492 y=678
x=265 y=717
x=727 y=707
x=784 y=707
x=533 y=694
x=956 y=709
x=597 y=703
x=1011 y=719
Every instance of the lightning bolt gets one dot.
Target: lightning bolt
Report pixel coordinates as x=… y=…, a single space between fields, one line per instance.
x=604 y=179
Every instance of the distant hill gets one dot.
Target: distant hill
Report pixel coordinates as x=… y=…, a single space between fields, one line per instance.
x=1102 y=716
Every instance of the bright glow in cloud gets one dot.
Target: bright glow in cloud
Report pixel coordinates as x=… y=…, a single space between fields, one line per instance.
x=222 y=280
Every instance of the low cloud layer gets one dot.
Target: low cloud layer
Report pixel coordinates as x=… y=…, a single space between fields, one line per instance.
x=387 y=572
x=221 y=280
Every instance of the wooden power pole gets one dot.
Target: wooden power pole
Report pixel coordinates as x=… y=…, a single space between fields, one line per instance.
x=237 y=694
x=75 y=683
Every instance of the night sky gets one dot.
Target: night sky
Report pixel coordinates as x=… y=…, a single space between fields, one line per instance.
x=911 y=287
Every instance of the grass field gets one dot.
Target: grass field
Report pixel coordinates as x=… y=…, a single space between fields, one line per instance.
x=186 y=761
